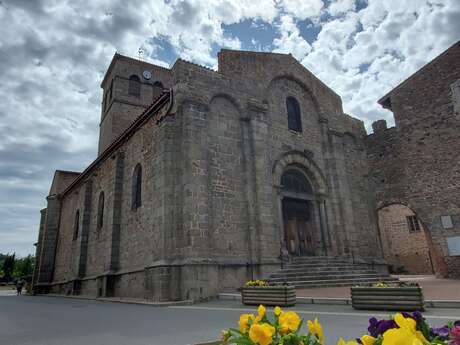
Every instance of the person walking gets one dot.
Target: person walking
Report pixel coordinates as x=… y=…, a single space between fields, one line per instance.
x=19 y=286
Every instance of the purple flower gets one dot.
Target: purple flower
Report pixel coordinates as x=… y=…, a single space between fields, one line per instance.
x=416 y=315
x=378 y=327
x=441 y=332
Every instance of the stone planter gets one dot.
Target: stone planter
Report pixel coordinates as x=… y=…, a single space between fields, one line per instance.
x=282 y=295
x=389 y=298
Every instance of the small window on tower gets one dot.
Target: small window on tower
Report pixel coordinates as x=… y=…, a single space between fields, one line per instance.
x=134 y=86
x=413 y=223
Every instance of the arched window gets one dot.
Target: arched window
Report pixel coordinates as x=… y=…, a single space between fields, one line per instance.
x=295 y=181
x=134 y=88
x=137 y=188
x=293 y=112
x=100 y=211
x=76 y=225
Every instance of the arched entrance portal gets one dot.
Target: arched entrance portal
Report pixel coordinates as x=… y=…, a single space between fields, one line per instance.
x=302 y=233
x=406 y=243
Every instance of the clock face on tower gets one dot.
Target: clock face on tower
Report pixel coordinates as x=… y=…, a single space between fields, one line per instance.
x=147 y=75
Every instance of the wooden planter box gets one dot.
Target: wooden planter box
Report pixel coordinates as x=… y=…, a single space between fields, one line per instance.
x=282 y=295
x=390 y=298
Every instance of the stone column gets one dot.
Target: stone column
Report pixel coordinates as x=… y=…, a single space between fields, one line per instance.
x=39 y=248
x=116 y=214
x=49 y=242
x=325 y=226
x=248 y=166
x=319 y=215
x=114 y=247
x=342 y=193
x=85 y=229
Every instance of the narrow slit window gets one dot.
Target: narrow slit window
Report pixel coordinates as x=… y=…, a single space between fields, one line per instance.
x=137 y=188
x=100 y=211
x=293 y=113
x=76 y=226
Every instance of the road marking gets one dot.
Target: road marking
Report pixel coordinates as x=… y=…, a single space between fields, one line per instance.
x=314 y=312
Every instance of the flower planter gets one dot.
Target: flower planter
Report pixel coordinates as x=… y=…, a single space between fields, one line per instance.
x=387 y=298
x=282 y=295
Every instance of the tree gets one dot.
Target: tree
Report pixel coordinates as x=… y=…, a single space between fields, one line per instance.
x=24 y=267
x=8 y=266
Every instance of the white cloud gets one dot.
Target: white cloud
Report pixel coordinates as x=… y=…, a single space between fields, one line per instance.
x=362 y=55
x=290 y=40
x=338 y=7
x=302 y=9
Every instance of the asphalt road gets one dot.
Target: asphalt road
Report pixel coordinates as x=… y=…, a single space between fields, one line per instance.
x=27 y=320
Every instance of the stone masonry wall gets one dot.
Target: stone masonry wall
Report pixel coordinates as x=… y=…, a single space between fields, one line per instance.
x=401 y=247
x=417 y=163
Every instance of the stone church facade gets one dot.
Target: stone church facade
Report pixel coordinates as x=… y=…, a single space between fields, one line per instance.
x=205 y=179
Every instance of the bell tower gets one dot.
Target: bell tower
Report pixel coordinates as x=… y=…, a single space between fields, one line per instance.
x=129 y=86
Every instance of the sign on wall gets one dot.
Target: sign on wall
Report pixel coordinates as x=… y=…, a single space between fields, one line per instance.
x=446 y=222
x=453 y=245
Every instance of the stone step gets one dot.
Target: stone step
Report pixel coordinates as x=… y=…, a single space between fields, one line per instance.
x=316 y=262
x=327 y=277
x=338 y=282
x=322 y=274
x=318 y=259
x=324 y=267
x=326 y=271
x=317 y=272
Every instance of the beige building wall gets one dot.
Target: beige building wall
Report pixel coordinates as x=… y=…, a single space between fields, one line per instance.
x=403 y=248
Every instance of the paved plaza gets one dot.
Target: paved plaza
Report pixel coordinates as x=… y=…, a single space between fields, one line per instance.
x=27 y=320
x=433 y=288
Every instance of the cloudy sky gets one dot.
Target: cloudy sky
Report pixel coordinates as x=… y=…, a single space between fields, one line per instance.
x=53 y=55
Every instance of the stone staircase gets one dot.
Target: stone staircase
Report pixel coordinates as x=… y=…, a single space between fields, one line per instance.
x=309 y=272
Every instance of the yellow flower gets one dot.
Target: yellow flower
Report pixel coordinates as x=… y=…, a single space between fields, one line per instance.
x=400 y=336
x=343 y=342
x=243 y=322
x=367 y=340
x=260 y=313
x=289 y=321
x=410 y=325
x=277 y=311
x=261 y=334
x=316 y=329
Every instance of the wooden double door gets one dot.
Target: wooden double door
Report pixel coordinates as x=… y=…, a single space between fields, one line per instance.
x=298 y=227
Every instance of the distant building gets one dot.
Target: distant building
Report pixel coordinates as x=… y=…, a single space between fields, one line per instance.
x=415 y=169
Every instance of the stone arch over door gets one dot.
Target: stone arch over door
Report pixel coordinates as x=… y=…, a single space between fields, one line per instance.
x=301 y=204
x=312 y=171
x=406 y=240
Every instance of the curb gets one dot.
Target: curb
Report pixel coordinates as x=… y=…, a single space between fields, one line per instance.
x=125 y=301
x=345 y=301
